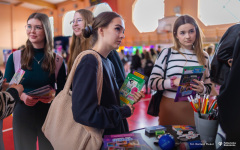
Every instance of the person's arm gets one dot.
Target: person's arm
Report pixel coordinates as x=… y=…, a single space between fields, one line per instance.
x=85 y=102
x=156 y=79
x=8 y=96
x=61 y=78
x=9 y=71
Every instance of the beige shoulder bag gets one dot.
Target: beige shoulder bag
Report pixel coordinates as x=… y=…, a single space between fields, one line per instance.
x=60 y=128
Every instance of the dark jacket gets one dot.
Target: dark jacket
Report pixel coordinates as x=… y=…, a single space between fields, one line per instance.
x=223 y=52
x=109 y=115
x=229 y=101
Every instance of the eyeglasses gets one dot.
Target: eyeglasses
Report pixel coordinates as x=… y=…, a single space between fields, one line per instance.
x=78 y=21
x=36 y=28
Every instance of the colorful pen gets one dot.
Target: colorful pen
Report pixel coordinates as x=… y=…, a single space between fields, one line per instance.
x=191 y=103
x=214 y=103
x=202 y=110
x=206 y=104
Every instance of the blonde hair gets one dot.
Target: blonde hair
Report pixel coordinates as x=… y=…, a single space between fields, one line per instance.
x=48 y=63
x=197 y=45
x=210 y=50
x=79 y=44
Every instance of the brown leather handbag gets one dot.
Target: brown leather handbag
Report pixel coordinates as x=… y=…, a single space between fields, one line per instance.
x=60 y=128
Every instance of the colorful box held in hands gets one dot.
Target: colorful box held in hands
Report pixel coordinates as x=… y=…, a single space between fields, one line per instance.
x=133 y=83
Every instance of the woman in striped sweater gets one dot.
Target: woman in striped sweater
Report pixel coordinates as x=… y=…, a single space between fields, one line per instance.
x=187 y=51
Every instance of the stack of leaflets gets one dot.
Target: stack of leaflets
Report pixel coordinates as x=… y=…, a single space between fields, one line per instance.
x=185 y=88
x=152 y=129
x=133 y=83
x=182 y=128
x=17 y=77
x=43 y=92
x=125 y=142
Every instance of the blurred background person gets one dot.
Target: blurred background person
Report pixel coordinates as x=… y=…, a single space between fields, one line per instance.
x=136 y=62
x=159 y=49
x=154 y=54
x=147 y=68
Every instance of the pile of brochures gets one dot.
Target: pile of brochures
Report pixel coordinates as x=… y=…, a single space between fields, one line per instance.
x=43 y=92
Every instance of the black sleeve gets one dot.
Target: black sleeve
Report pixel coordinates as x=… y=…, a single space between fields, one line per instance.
x=61 y=78
x=14 y=93
x=226 y=44
x=85 y=102
x=228 y=100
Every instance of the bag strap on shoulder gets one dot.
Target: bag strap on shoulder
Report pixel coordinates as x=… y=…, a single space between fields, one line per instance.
x=17 y=62
x=168 y=55
x=99 y=72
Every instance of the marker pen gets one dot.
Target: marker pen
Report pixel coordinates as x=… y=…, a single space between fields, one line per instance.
x=191 y=103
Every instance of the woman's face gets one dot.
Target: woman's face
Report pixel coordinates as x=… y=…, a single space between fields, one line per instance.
x=35 y=32
x=78 y=24
x=114 y=33
x=186 y=35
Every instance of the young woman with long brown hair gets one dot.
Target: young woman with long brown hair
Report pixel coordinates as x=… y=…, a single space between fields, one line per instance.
x=82 y=18
x=38 y=62
x=187 y=51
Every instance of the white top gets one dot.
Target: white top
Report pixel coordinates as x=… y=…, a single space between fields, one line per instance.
x=176 y=63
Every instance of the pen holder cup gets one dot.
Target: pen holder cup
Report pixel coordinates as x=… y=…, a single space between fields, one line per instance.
x=196 y=117
x=207 y=129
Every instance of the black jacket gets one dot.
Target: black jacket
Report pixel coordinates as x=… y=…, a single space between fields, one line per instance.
x=223 y=52
x=109 y=115
x=229 y=100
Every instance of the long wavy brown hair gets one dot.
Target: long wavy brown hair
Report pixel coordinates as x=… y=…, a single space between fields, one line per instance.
x=48 y=63
x=197 y=45
x=79 y=44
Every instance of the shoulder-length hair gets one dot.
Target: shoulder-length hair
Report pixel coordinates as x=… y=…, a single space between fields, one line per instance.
x=48 y=63
x=79 y=44
x=197 y=45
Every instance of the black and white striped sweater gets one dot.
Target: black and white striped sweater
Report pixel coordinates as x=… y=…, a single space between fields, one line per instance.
x=175 y=66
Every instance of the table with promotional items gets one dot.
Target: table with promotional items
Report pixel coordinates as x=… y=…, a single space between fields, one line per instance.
x=171 y=141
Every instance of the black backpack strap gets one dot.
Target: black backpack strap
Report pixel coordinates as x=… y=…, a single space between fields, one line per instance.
x=168 y=55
